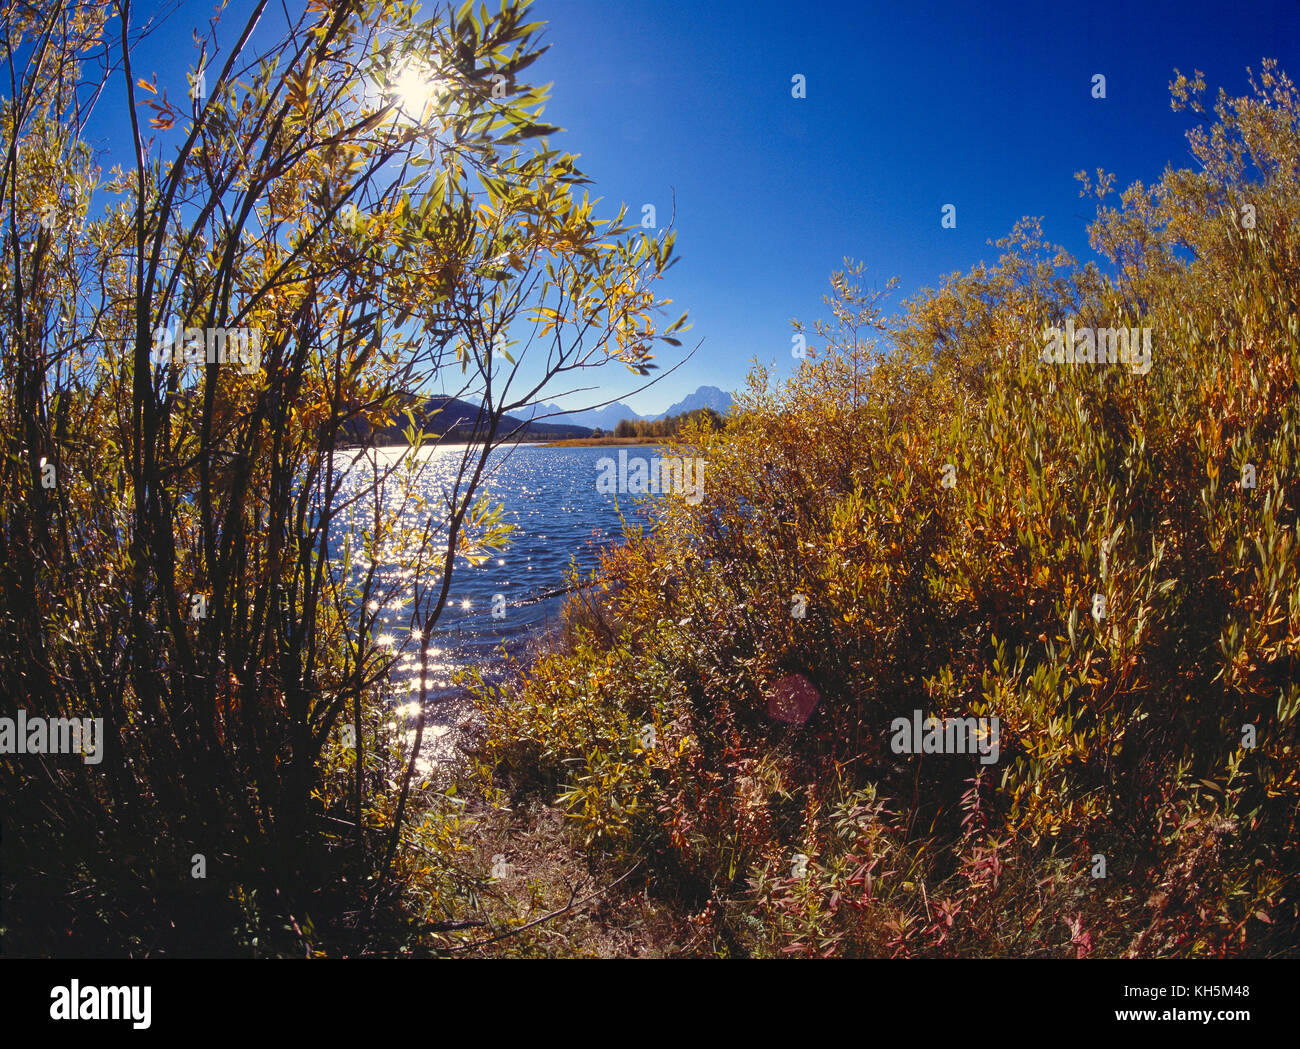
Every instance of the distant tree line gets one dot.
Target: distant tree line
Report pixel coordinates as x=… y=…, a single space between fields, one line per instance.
x=667 y=427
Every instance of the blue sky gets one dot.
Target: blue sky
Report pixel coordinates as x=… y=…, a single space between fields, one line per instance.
x=910 y=106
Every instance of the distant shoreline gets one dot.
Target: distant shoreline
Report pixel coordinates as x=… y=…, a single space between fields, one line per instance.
x=569 y=442
x=583 y=442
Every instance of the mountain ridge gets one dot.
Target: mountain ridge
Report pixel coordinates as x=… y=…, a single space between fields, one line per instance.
x=611 y=415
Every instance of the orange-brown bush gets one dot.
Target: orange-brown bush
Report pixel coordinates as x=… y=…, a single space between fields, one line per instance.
x=1125 y=737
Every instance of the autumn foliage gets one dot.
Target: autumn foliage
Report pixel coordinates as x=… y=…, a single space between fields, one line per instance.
x=177 y=556
x=1155 y=743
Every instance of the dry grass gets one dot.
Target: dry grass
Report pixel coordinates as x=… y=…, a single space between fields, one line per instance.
x=555 y=900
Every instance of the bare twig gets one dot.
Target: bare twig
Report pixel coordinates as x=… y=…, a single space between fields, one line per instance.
x=545 y=917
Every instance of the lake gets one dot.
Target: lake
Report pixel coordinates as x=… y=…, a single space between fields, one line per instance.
x=550 y=496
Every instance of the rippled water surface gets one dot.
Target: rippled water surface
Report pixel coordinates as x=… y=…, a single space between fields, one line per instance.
x=549 y=495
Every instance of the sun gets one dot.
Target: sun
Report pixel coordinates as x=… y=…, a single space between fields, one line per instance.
x=415 y=88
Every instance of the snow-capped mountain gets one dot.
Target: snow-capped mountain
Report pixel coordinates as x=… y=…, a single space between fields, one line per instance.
x=609 y=416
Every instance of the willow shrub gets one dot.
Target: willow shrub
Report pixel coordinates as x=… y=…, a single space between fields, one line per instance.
x=1125 y=736
x=178 y=573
